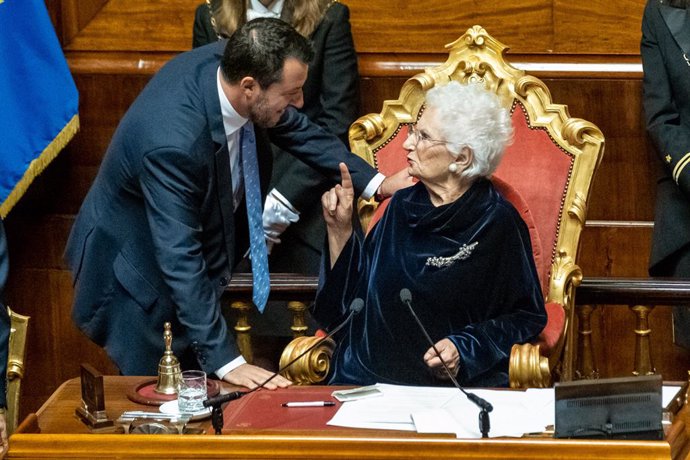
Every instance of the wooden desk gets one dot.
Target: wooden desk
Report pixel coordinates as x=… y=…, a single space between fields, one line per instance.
x=55 y=432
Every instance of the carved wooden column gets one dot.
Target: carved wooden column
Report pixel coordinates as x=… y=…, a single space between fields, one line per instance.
x=299 y=324
x=643 y=355
x=585 y=369
x=242 y=329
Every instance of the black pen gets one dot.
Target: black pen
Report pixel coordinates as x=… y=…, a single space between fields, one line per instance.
x=309 y=404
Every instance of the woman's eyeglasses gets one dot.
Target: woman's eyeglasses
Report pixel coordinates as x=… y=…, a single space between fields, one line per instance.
x=419 y=136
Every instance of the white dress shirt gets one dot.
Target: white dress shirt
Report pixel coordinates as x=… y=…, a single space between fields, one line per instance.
x=232 y=122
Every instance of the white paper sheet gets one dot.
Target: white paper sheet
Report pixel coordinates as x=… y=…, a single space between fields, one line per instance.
x=514 y=414
x=668 y=392
x=392 y=410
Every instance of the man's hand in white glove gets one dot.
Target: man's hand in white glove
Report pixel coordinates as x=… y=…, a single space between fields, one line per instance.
x=278 y=215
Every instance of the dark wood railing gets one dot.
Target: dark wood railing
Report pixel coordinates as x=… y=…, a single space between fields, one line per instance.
x=297 y=290
x=640 y=295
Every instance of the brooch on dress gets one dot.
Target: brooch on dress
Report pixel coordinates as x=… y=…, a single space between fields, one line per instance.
x=464 y=252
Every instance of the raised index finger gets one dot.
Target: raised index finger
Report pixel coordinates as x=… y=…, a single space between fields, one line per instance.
x=346 y=179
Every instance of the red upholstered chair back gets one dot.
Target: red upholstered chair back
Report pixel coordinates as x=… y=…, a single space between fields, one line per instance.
x=546 y=174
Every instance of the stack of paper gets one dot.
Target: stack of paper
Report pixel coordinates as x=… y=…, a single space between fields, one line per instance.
x=447 y=410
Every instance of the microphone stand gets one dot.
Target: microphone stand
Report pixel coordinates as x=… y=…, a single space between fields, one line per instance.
x=484 y=405
x=216 y=402
x=216 y=408
x=217 y=418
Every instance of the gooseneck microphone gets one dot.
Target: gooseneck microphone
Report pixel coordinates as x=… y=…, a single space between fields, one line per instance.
x=215 y=402
x=484 y=405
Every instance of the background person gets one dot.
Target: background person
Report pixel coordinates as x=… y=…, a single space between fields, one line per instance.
x=665 y=50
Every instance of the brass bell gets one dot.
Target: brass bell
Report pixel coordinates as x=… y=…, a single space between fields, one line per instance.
x=168 y=368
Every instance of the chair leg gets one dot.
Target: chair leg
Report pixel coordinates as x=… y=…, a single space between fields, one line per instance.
x=643 y=355
x=243 y=330
x=585 y=369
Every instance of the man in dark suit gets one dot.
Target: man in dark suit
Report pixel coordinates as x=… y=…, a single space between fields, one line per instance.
x=163 y=225
x=665 y=49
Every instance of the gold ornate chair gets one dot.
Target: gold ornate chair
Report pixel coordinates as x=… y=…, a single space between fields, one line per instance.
x=15 y=366
x=546 y=174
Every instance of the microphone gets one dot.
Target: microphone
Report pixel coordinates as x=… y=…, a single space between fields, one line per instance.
x=217 y=415
x=220 y=399
x=484 y=405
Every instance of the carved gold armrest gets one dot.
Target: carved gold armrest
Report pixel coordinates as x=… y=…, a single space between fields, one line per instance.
x=311 y=368
x=528 y=368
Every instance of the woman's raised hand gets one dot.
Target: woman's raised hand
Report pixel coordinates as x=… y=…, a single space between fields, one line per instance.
x=337 y=212
x=337 y=203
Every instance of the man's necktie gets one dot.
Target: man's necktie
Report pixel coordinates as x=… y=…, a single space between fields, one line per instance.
x=257 y=241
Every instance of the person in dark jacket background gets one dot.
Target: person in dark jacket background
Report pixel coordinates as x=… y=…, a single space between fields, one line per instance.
x=665 y=49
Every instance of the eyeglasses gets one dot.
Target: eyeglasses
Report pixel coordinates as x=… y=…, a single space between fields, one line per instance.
x=419 y=136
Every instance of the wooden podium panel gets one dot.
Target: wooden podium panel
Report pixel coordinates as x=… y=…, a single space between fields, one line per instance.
x=55 y=432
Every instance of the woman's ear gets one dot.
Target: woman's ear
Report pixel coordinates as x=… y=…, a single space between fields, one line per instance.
x=465 y=158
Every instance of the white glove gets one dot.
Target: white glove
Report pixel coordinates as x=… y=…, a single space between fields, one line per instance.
x=278 y=215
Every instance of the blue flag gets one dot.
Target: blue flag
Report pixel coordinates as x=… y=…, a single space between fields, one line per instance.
x=38 y=98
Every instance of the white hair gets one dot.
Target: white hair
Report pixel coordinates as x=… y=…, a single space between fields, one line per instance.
x=470 y=116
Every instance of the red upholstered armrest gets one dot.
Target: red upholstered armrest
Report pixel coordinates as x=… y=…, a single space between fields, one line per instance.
x=554 y=328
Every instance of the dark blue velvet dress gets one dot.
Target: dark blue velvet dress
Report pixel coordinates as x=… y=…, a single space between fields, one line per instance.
x=485 y=297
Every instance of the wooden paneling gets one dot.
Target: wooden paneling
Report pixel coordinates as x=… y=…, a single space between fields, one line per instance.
x=615 y=250
x=114 y=47
x=76 y=15
x=133 y=25
x=399 y=26
x=533 y=26
x=624 y=185
x=402 y=26
x=597 y=26
x=40 y=287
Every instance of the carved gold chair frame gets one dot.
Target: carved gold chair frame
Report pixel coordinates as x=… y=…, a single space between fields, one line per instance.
x=477 y=57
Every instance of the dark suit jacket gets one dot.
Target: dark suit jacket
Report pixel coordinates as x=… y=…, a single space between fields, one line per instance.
x=4 y=317
x=155 y=239
x=331 y=97
x=665 y=37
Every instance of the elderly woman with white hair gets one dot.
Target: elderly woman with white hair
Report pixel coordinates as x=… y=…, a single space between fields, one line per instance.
x=452 y=240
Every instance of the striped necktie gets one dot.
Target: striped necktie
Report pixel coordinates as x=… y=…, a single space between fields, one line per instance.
x=257 y=241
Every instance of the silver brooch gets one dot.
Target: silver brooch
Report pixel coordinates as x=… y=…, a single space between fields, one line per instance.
x=464 y=252
x=687 y=61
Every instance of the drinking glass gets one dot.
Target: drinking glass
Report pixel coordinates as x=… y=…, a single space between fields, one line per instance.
x=192 y=392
